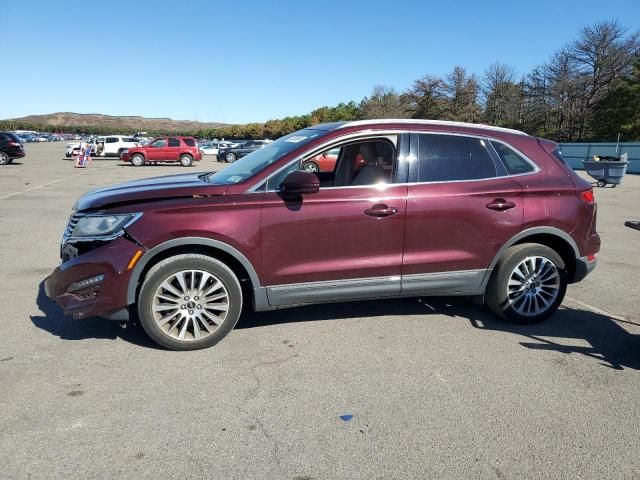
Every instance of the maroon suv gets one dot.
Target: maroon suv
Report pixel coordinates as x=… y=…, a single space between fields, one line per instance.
x=438 y=208
x=164 y=149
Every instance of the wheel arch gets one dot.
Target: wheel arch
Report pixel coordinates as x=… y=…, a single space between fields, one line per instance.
x=234 y=259
x=552 y=237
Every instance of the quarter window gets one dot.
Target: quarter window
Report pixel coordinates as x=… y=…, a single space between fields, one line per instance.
x=112 y=140
x=444 y=158
x=174 y=142
x=189 y=141
x=513 y=162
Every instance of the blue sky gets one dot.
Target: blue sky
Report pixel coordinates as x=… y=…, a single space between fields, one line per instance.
x=242 y=61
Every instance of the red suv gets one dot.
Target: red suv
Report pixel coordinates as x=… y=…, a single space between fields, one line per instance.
x=439 y=208
x=164 y=149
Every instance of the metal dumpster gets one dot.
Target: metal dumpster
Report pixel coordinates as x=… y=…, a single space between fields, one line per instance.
x=607 y=170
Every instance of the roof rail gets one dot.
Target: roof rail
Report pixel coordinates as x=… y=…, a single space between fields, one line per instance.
x=429 y=122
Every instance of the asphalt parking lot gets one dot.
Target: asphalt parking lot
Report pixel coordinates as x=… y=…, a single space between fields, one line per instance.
x=438 y=388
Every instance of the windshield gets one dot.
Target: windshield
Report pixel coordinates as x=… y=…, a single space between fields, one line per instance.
x=260 y=159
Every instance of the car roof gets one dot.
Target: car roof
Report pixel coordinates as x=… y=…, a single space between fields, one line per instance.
x=405 y=121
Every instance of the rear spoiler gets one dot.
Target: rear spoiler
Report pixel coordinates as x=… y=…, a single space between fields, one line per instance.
x=547 y=145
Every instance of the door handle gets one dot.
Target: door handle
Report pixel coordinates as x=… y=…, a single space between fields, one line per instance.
x=381 y=210
x=500 y=204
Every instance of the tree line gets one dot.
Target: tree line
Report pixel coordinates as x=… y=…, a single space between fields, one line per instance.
x=589 y=90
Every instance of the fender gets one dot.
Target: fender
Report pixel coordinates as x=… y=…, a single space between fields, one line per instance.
x=524 y=234
x=178 y=242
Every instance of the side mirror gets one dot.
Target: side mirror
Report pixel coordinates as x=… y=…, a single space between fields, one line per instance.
x=300 y=183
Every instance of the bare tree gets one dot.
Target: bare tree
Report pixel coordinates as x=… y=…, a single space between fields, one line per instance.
x=426 y=98
x=384 y=102
x=461 y=91
x=502 y=95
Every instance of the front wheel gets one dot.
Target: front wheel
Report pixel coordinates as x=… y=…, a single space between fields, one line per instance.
x=137 y=160
x=189 y=302
x=230 y=157
x=186 y=160
x=528 y=285
x=311 y=167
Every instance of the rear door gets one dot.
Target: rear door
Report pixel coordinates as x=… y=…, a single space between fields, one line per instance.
x=462 y=207
x=173 y=149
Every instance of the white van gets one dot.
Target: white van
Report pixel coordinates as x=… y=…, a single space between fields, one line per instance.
x=113 y=145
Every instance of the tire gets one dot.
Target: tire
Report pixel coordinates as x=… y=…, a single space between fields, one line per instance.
x=186 y=160
x=527 y=301
x=182 y=315
x=137 y=160
x=602 y=183
x=230 y=157
x=4 y=159
x=311 y=167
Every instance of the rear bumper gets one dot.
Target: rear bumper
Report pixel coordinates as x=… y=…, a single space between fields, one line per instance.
x=584 y=267
x=15 y=153
x=103 y=298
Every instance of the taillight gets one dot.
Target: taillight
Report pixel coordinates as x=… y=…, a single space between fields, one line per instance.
x=588 y=196
x=15 y=144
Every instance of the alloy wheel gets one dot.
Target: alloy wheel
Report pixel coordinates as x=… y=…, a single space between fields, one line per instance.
x=533 y=286
x=190 y=305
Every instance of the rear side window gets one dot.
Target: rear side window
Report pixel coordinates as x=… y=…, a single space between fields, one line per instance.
x=174 y=142
x=513 y=161
x=189 y=141
x=445 y=158
x=112 y=140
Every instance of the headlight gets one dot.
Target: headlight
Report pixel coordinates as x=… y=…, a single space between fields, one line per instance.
x=103 y=226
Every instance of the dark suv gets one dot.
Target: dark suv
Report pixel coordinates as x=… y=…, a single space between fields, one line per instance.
x=231 y=154
x=435 y=208
x=10 y=148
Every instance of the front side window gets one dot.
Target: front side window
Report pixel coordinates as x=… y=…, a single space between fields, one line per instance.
x=352 y=164
x=174 y=142
x=445 y=158
x=260 y=159
x=159 y=143
x=513 y=161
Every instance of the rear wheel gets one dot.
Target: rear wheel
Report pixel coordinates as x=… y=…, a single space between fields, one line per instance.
x=186 y=160
x=189 y=302
x=4 y=159
x=137 y=160
x=528 y=285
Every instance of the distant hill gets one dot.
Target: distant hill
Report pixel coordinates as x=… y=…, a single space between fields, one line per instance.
x=123 y=124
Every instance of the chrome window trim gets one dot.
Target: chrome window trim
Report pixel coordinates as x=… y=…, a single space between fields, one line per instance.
x=536 y=167
x=381 y=133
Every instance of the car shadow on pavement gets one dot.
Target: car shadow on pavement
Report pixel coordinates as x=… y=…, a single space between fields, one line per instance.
x=56 y=323
x=568 y=331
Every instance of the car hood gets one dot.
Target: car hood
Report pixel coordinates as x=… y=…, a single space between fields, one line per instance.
x=156 y=188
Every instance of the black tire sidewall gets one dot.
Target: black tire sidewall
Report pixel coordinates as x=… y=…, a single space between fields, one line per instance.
x=172 y=265
x=497 y=295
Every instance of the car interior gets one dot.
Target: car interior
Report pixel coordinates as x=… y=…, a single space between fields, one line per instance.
x=361 y=163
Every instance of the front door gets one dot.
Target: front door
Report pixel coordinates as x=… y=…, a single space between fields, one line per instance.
x=157 y=150
x=462 y=208
x=346 y=240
